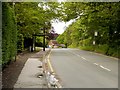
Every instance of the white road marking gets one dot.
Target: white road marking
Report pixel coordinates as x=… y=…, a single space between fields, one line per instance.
x=102 y=66
x=105 y=68
x=95 y=63
x=83 y=58
x=75 y=54
x=78 y=55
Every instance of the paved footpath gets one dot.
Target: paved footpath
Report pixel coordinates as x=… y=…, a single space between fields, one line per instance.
x=30 y=74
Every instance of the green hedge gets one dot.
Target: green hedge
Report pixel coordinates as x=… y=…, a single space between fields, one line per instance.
x=9 y=33
x=88 y=48
x=103 y=49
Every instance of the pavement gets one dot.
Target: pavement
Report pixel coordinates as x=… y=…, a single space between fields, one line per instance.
x=32 y=75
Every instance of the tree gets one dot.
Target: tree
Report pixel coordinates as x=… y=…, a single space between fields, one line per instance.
x=33 y=17
x=93 y=17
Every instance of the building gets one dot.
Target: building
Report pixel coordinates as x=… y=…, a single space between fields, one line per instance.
x=53 y=44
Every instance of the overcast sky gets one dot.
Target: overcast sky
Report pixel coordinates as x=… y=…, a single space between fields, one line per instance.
x=60 y=26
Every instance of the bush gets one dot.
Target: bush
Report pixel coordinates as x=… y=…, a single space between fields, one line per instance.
x=102 y=48
x=86 y=42
x=113 y=52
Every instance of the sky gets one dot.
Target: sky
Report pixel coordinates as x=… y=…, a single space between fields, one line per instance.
x=60 y=27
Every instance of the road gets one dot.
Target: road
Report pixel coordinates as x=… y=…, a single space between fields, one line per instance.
x=84 y=69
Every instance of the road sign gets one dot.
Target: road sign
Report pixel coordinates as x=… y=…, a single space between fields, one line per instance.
x=93 y=42
x=96 y=33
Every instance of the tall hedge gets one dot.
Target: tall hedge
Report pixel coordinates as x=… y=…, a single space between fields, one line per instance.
x=9 y=33
x=0 y=35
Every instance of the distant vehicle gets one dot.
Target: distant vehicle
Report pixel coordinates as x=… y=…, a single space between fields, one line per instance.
x=62 y=45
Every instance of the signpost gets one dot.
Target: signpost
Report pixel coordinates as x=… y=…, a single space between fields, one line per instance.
x=94 y=41
x=96 y=33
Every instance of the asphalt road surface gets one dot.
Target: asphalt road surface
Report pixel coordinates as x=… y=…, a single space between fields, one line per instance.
x=84 y=69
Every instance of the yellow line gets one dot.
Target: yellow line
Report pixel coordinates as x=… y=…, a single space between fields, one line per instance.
x=50 y=63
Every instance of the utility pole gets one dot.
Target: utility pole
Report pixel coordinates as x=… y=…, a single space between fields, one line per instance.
x=44 y=39
x=33 y=48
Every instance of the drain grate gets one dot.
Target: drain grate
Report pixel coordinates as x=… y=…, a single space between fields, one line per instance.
x=39 y=66
x=40 y=75
x=44 y=84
